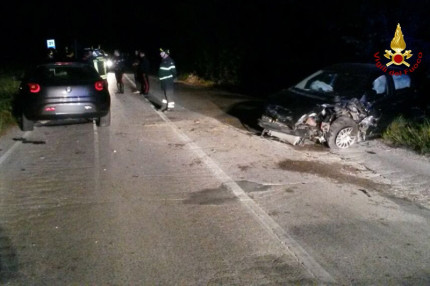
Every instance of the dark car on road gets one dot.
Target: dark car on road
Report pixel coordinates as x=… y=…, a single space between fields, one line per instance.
x=386 y=95
x=62 y=90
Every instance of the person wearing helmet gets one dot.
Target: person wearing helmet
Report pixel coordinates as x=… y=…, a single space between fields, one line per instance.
x=167 y=75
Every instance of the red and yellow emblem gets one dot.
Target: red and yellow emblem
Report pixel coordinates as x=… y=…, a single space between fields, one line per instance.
x=398 y=44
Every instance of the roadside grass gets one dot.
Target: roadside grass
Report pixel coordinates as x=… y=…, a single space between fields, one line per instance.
x=407 y=133
x=8 y=86
x=193 y=79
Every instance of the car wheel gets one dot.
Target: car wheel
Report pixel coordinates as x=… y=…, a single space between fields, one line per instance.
x=26 y=124
x=104 y=120
x=342 y=133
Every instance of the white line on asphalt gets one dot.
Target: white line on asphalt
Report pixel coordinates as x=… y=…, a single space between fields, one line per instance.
x=12 y=148
x=96 y=158
x=289 y=244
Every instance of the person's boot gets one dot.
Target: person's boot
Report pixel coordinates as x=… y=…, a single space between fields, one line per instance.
x=170 y=105
x=163 y=105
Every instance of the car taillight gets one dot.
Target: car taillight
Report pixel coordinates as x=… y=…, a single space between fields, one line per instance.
x=99 y=85
x=50 y=108
x=34 y=87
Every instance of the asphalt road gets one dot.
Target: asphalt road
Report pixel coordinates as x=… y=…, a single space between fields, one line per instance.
x=192 y=197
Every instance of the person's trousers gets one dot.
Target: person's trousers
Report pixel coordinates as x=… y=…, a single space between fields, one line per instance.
x=167 y=86
x=144 y=81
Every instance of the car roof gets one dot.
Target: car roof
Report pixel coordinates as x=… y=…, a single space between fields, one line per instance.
x=63 y=63
x=354 y=67
x=359 y=68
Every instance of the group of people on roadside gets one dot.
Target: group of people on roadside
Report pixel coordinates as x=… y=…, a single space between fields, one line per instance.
x=141 y=68
x=52 y=55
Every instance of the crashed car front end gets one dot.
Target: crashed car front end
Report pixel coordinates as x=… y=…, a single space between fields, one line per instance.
x=276 y=117
x=278 y=121
x=315 y=125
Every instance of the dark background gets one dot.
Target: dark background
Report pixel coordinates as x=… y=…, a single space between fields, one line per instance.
x=258 y=45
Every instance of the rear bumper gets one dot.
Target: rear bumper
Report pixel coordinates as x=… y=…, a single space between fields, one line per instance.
x=67 y=110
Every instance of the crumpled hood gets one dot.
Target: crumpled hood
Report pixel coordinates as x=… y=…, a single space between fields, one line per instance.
x=289 y=105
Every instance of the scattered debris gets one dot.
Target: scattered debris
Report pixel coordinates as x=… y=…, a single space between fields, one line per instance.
x=365 y=192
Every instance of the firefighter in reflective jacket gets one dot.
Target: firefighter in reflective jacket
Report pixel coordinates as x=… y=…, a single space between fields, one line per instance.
x=167 y=74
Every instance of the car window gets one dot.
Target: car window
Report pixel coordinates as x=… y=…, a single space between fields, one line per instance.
x=401 y=81
x=322 y=82
x=379 y=85
x=335 y=83
x=347 y=83
x=62 y=73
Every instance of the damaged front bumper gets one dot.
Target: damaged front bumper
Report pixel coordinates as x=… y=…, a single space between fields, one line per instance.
x=278 y=130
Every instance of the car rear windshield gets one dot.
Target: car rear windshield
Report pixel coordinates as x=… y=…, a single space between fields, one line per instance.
x=65 y=73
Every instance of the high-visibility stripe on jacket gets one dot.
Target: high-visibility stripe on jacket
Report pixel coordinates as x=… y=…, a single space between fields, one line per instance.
x=167 y=69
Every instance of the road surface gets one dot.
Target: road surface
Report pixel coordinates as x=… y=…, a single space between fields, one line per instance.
x=192 y=197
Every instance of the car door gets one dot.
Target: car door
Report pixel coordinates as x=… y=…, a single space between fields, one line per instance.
x=404 y=96
x=379 y=96
x=393 y=96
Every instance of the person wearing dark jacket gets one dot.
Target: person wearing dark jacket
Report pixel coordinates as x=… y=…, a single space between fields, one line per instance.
x=167 y=75
x=119 y=67
x=142 y=73
x=135 y=66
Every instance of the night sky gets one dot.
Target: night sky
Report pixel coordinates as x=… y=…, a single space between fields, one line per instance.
x=274 y=37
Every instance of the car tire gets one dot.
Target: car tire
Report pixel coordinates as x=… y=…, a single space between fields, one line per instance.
x=104 y=120
x=26 y=124
x=342 y=133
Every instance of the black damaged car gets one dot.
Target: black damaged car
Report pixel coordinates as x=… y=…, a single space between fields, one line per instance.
x=339 y=105
x=62 y=90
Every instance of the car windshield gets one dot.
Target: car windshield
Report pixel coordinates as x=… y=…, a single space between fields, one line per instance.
x=65 y=73
x=334 y=82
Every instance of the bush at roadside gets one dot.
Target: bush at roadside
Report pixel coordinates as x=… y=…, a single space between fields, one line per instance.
x=407 y=133
x=8 y=87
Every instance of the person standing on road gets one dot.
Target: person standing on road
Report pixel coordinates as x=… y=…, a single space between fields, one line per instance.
x=167 y=75
x=142 y=73
x=135 y=66
x=68 y=54
x=51 y=55
x=119 y=67
x=88 y=58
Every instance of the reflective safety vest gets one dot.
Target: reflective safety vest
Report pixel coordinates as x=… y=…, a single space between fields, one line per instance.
x=167 y=70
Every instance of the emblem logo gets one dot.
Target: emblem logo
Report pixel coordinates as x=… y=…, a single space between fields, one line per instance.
x=398 y=44
x=68 y=89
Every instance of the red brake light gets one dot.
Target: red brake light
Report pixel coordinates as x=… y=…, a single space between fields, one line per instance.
x=34 y=87
x=50 y=108
x=99 y=85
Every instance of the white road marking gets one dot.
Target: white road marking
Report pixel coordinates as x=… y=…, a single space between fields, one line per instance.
x=290 y=245
x=96 y=158
x=13 y=148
